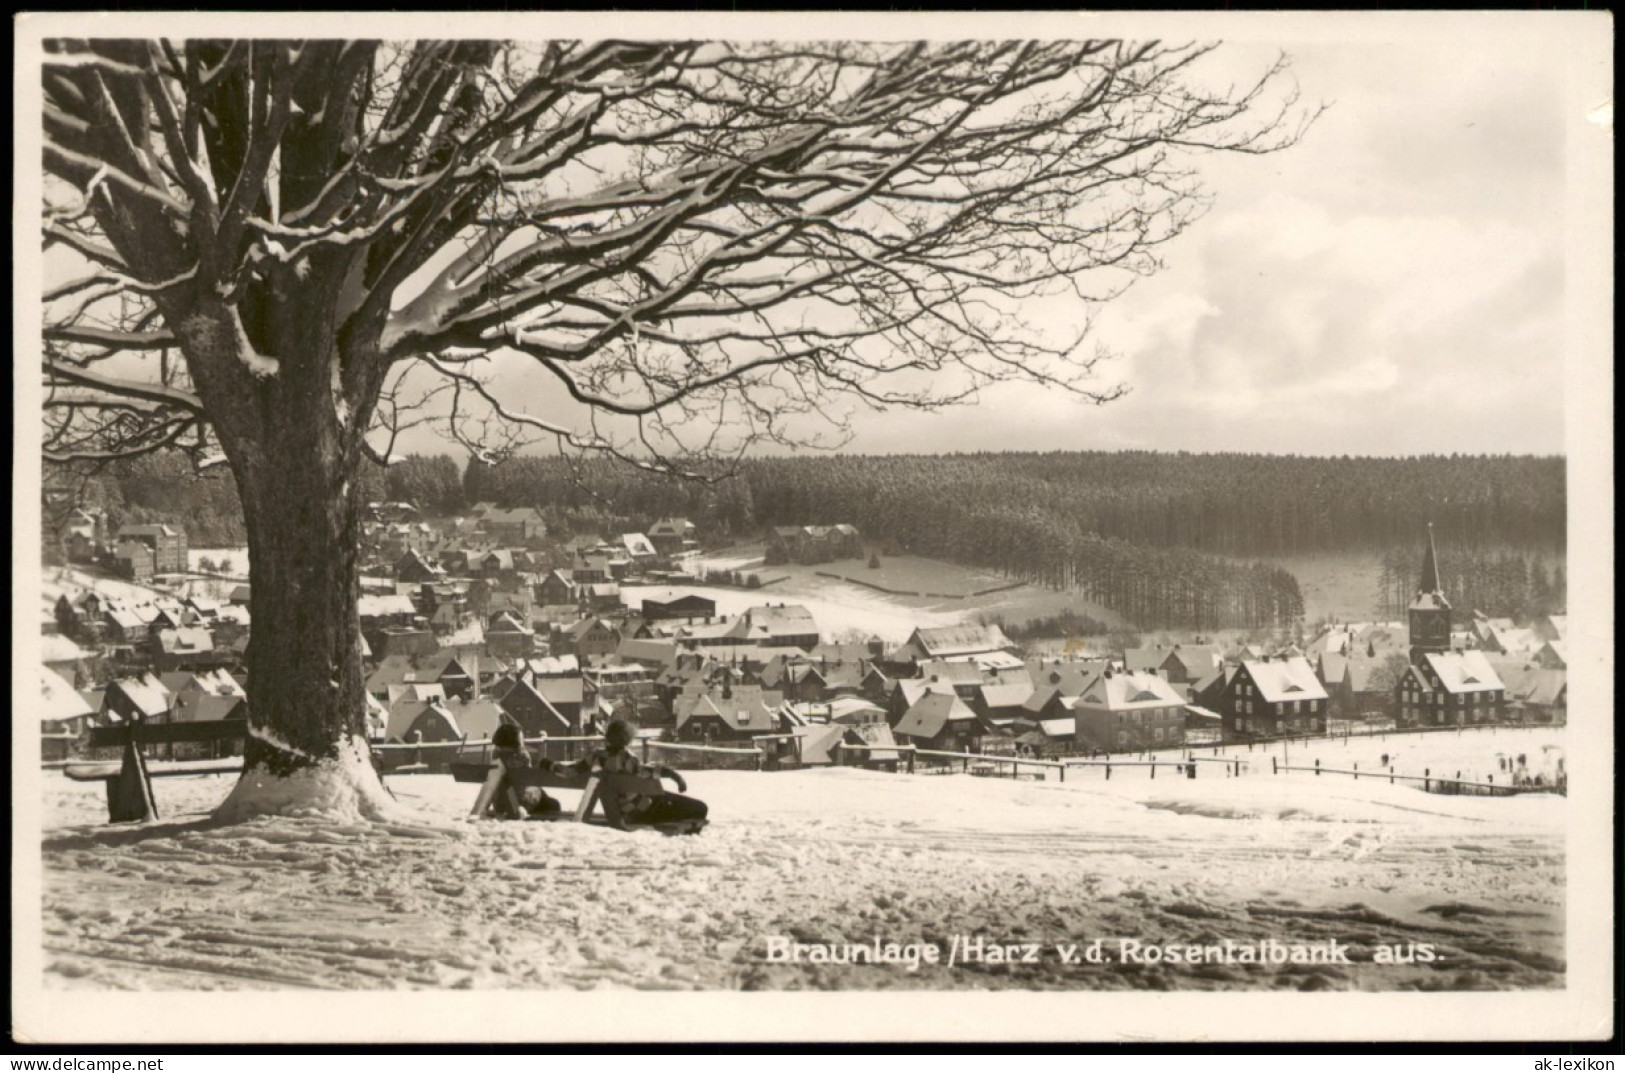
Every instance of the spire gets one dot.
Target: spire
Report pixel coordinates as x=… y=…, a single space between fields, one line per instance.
x=1430 y=567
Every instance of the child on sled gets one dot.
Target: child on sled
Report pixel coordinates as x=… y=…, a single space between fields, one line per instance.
x=616 y=758
x=513 y=799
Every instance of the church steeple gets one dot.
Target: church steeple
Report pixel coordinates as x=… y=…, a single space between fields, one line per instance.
x=1430 y=611
x=1430 y=567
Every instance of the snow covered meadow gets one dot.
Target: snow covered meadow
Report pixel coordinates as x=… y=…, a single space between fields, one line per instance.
x=1402 y=890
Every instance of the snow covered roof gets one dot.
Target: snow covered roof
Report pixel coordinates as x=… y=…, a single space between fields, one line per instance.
x=964 y=639
x=782 y=620
x=1285 y=679
x=1129 y=691
x=554 y=666
x=383 y=606
x=1464 y=672
x=927 y=716
x=476 y=718
x=54 y=648
x=852 y=710
x=59 y=700
x=190 y=639
x=1059 y=728
x=1067 y=676
x=638 y=544
x=915 y=688
x=147 y=694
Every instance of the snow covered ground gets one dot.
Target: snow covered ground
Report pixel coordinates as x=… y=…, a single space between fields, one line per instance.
x=827 y=858
x=842 y=611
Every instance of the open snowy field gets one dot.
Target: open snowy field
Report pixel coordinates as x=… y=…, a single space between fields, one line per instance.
x=842 y=611
x=827 y=858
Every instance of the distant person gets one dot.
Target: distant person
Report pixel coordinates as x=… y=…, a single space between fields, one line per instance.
x=616 y=758
x=513 y=799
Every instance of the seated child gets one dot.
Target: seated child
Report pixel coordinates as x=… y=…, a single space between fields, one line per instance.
x=512 y=795
x=616 y=757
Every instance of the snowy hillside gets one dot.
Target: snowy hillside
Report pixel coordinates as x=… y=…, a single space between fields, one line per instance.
x=839 y=856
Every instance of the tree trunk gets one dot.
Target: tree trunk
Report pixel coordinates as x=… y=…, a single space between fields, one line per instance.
x=307 y=748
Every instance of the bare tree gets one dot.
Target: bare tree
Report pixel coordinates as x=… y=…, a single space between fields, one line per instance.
x=277 y=255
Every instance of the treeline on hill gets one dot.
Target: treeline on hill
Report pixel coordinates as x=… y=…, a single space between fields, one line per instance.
x=1503 y=583
x=1139 y=532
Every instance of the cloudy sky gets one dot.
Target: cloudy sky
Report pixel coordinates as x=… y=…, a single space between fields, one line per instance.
x=1400 y=282
x=1393 y=285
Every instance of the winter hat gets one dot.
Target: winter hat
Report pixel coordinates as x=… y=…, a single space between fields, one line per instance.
x=619 y=733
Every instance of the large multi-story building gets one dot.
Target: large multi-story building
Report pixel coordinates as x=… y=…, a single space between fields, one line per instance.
x=167 y=542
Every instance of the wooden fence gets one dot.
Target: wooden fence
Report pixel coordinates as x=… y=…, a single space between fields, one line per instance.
x=1430 y=784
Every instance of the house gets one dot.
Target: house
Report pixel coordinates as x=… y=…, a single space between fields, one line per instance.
x=1538 y=695
x=414 y=722
x=187 y=649
x=688 y=608
x=637 y=547
x=211 y=683
x=64 y=716
x=600 y=595
x=811 y=544
x=1551 y=627
x=62 y=656
x=415 y=569
x=787 y=625
x=1273 y=696
x=953 y=642
x=507 y=638
x=518 y=527
x=939 y=721
x=1130 y=710
x=651 y=652
x=1185 y=664
x=532 y=705
x=142 y=699
x=555 y=588
x=168 y=545
x=1454 y=688
x=588 y=639
x=1349 y=682
x=135 y=560
x=729 y=713
x=208 y=707
x=1553 y=655
x=673 y=536
x=399 y=669
x=380 y=611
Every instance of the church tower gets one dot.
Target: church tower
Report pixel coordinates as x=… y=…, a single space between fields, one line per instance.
x=1430 y=611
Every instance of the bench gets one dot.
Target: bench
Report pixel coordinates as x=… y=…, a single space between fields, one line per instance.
x=598 y=789
x=129 y=783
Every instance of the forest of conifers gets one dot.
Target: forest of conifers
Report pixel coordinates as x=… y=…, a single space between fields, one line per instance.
x=1151 y=536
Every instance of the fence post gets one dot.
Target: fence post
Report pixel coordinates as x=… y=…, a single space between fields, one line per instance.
x=1108 y=771
x=1356 y=769
x=1390 y=774
x=1190 y=771
x=1317 y=767
x=645 y=750
x=1153 y=769
x=1275 y=766
x=1427 y=781
x=911 y=761
x=1063 y=773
